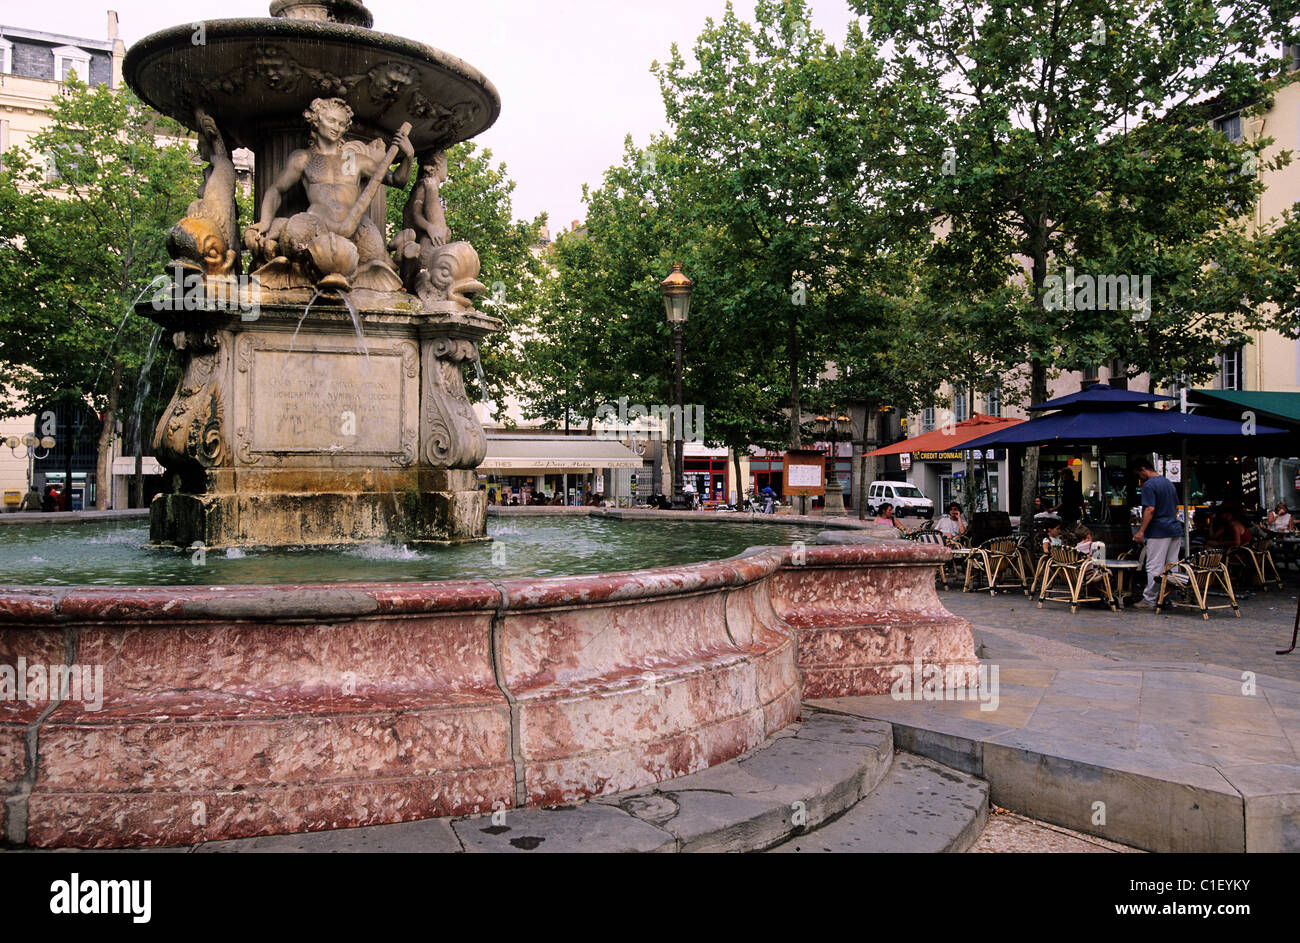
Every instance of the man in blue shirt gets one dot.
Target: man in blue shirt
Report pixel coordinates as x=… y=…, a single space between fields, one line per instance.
x=1160 y=529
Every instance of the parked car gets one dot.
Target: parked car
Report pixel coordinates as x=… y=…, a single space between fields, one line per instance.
x=906 y=499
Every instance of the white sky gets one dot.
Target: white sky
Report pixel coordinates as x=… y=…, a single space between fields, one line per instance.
x=574 y=75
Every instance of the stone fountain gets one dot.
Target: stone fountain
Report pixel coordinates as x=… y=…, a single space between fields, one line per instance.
x=328 y=407
x=321 y=400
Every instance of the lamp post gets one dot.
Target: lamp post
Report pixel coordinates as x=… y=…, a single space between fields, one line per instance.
x=833 y=503
x=677 y=290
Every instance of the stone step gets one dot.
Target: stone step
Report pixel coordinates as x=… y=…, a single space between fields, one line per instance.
x=1149 y=800
x=809 y=773
x=920 y=806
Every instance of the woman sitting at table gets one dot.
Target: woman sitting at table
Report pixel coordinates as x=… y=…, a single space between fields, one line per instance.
x=1279 y=519
x=886 y=516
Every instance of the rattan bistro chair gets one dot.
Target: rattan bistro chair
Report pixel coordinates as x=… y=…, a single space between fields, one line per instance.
x=1255 y=560
x=1080 y=572
x=1197 y=575
x=934 y=537
x=998 y=563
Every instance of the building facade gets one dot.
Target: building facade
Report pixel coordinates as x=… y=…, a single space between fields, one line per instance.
x=33 y=67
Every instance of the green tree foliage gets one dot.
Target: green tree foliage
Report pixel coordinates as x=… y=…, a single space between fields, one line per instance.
x=83 y=223
x=792 y=166
x=1078 y=135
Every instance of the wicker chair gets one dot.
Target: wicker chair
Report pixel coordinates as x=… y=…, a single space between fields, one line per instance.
x=934 y=537
x=1197 y=575
x=1255 y=560
x=991 y=561
x=1079 y=571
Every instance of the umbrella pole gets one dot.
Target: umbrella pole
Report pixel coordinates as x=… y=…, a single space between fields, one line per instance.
x=1187 y=501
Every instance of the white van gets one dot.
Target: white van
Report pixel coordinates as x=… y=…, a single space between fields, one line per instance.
x=906 y=499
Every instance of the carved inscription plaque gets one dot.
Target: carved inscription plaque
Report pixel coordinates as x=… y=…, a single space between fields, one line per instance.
x=333 y=402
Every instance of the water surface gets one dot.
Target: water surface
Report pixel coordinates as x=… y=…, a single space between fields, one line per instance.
x=114 y=553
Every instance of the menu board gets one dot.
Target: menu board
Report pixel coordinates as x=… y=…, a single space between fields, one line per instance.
x=805 y=473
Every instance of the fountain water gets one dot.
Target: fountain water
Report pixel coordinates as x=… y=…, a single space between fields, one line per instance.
x=332 y=408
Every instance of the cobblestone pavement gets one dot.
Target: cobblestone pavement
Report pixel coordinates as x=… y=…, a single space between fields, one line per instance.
x=1008 y=832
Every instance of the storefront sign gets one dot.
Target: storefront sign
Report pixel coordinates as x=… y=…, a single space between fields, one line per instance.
x=905 y=463
x=939 y=456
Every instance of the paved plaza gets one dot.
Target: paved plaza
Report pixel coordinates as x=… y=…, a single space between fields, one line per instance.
x=1160 y=731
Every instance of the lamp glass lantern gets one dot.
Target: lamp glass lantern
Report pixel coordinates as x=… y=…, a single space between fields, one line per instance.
x=677 y=290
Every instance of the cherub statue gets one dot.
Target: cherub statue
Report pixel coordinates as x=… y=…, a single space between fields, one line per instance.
x=334 y=243
x=207 y=239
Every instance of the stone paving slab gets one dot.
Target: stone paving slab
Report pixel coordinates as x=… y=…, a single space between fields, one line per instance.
x=919 y=807
x=1188 y=753
x=590 y=828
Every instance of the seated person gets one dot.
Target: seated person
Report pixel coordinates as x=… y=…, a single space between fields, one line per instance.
x=1227 y=531
x=886 y=516
x=1053 y=537
x=1083 y=541
x=1279 y=519
x=952 y=525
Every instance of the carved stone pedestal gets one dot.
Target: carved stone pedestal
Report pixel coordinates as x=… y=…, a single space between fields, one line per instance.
x=288 y=429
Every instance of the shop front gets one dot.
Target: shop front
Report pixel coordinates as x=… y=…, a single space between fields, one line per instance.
x=565 y=470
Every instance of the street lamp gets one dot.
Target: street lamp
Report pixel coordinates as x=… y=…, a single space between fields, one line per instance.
x=833 y=503
x=677 y=290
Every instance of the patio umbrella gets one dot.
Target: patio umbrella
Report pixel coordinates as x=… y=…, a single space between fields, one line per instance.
x=949 y=438
x=1101 y=415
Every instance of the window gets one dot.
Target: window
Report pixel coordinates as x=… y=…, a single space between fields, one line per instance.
x=1230 y=126
x=1091 y=374
x=993 y=402
x=927 y=420
x=1230 y=377
x=6 y=56
x=69 y=59
x=960 y=404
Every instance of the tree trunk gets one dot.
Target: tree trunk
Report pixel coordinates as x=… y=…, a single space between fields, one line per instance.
x=796 y=407
x=1037 y=388
x=740 y=482
x=799 y=504
x=104 y=457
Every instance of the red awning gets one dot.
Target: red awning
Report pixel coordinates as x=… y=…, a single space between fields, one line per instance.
x=951 y=438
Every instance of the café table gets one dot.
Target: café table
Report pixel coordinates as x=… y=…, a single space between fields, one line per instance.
x=1123 y=570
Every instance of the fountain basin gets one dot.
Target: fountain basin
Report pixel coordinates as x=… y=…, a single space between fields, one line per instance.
x=241 y=711
x=255 y=75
